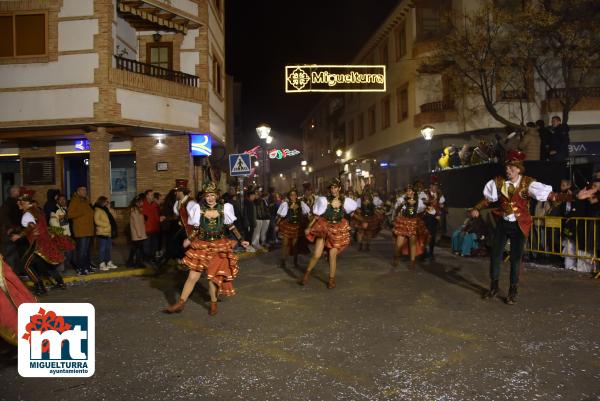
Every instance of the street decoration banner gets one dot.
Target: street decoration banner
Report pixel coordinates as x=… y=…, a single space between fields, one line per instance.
x=335 y=78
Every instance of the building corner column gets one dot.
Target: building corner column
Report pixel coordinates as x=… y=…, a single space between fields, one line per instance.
x=99 y=163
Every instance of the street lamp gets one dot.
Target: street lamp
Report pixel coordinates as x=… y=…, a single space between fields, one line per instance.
x=263 y=130
x=427 y=131
x=338 y=153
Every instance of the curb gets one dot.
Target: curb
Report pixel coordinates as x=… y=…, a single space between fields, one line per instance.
x=128 y=272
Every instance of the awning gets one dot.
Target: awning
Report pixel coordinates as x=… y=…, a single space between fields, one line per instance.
x=148 y=15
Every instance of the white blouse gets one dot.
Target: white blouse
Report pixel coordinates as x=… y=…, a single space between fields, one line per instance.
x=193 y=209
x=401 y=202
x=283 y=209
x=536 y=190
x=376 y=201
x=26 y=219
x=321 y=205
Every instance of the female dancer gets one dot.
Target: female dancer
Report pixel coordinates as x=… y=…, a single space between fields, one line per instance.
x=409 y=226
x=367 y=220
x=289 y=216
x=329 y=229
x=209 y=249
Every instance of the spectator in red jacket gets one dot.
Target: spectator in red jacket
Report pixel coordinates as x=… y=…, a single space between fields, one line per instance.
x=151 y=212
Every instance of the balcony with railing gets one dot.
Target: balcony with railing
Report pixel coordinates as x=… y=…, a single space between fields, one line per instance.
x=435 y=112
x=589 y=98
x=135 y=75
x=155 y=71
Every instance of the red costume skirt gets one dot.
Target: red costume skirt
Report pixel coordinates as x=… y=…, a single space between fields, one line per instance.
x=411 y=227
x=289 y=230
x=335 y=235
x=373 y=225
x=12 y=294
x=217 y=259
x=52 y=249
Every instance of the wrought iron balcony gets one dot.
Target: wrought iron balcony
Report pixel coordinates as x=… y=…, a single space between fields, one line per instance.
x=573 y=92
x=157 y=72
x=442 y=105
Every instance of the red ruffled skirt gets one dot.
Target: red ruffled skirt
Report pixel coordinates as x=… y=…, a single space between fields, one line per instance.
x=409 y=227
x=373 y=225
x=16 y=294
x=52 y=248
x=335 y=235
x=217 y=259
x=289 y=230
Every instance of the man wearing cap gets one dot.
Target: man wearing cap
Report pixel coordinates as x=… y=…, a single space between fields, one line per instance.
x=329 y=229
x=514 y=220
x=209 y=249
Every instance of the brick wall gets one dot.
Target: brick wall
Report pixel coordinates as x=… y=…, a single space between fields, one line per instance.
x=175 y=152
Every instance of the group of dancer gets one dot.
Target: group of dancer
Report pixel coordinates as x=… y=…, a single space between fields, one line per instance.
x=207 y=232
x=327 y=221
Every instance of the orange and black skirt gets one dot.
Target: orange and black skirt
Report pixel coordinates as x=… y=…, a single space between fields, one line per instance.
x=411 y=227
x=217 y=259
x=289 y=230
x=336 y=235
x=373 y=225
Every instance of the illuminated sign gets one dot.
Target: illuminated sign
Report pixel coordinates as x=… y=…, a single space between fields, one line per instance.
x=82 y=144
x=201 y=144
x=282 y=153
x=335 y=78
x=253 y=152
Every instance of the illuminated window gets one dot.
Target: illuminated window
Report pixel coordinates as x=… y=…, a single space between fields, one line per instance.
x=217 y=75
x=122 y=179
x=361 y=127
x=23 y=34
x=402 y=103
x=401 y=41
x=385 y=112
x=350 y=133
x=371 y=120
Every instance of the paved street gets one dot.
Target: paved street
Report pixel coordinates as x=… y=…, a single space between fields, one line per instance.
x=382 y=334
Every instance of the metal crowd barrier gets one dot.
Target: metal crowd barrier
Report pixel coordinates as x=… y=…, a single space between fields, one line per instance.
x=568 y=237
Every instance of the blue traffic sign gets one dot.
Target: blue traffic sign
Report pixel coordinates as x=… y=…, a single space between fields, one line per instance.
x=239 y=164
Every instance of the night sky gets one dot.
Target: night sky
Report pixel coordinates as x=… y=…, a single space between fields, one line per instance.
x=262 y=36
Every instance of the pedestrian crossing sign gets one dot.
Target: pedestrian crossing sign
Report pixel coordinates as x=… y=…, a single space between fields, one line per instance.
x=239 y=164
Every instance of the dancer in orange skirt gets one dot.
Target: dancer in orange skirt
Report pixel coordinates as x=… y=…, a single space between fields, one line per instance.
x=289 y=221
x=209 y=249
x=329 y=229
x=367 y=219
x=408 y=226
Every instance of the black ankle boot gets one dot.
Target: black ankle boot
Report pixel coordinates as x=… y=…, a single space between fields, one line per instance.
x=512 y=295
x=493 y=291
x=40 y=288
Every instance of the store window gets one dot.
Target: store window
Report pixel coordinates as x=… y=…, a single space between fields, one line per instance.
x=122 y=179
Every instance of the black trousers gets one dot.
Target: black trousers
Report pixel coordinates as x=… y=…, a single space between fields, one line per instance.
x=432 y=226
x=37 y=268
x=504 y=231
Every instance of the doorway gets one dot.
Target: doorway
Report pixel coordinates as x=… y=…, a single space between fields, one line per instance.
x=76 y=173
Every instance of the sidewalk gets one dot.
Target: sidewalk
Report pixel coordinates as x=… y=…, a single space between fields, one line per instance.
x=120 y=254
